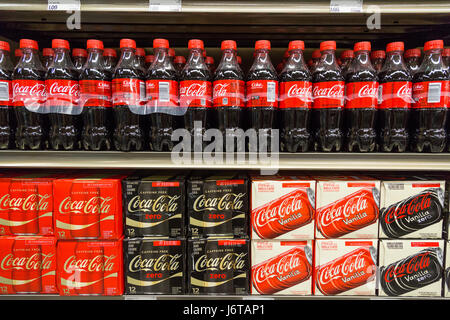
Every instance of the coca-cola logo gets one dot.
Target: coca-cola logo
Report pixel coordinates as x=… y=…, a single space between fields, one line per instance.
x=334 y=92
x=368 y=91
x=413 y=265
x=287 y=207
x=352 y=264
x=95 y=205
x=229 y=201
x=37 y=89
x=221 y=89
x=195 y=90
x=230 y=261
x=71 y=89
x=99 y=263
x=165 y=262
x=33 y=202
x=351 y=207
x=37 y=261
x=257 y=85
x=418 y=204
x=404 y=92
x=286 y=264
x=302 y=92
x=104 y=85
x=164 y=203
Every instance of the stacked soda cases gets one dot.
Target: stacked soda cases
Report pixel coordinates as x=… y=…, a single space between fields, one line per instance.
x=282 y=222
x=218 y=247
x=155 y=247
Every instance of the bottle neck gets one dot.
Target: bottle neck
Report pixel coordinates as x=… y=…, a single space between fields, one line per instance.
x=5 y=61
x=328 y=60
x=127 y=58
x=195 y=57
x=295 y=61
x=95 y=57
x=262 y=57
x=62 y=57
x=363 y=57
x=162 y=60
x=30 y=57
x=228 y=58
x=433 y=56
x=394 y=61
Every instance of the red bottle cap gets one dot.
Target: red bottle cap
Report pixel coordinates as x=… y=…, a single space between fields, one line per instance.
x=48 y=52
x=363 y=45
x=378 y=54
x=108 y=52
x=294 y=45
x=4 y=45
x=446 y=52
x=395 y=46
x=78 y=52
x=239 y=60
x=228 y=44
x=94 y=44
x=180 y=59
x=127 y=43
x=27 y=43
x=196 y=44
x=347 y=54
x=171 y=52
x=433 y=44
x=60 y=43
x=140 y=52
x=316 y=54
x=150 y=58
x=18 y=52
x=327 y=45
x=262 y=44
x=209 y=60
x=161 y=43
x=413 y=53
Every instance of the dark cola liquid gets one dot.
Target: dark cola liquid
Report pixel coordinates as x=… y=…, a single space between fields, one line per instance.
x=97 y=119
x=7 y=118
x=65 y=129
x=393 y=123
x=413 y=64
x=295 y=122
x=109 y=63
x=129 y=132
x=32 y=127
x=78 y=63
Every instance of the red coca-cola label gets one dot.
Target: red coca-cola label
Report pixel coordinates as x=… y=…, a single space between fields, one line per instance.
x=361 y=94
x=328 y=94
x=262 y=93
x=129 y=92
x=6 y=93
x=195 y=93
x=61 y=92
x=228 y=93
x=162 y=93
x=431 y=94
x=95 y=93
x=295 y=94
x=395 y=95
x=28 y=92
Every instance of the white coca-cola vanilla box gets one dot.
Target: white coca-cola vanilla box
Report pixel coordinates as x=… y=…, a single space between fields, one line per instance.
x=447 y=271
x=347 y=207
x=281 y=267
x=411 y=267
x=412 y=209
x=283 y=207
x=345 y=267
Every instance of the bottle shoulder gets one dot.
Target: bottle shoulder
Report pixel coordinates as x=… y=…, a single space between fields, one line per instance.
x=262 y=74
x=27 y=73
x=295 y=75
x=228 y=74
x=361 y=76
x=128 y=73
x=61 y=73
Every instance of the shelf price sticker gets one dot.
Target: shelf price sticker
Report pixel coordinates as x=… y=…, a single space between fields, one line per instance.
x=164 y=5
x=346 y=6
x=64 y=5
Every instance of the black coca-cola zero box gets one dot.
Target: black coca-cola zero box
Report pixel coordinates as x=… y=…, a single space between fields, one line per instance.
x=218 y=205
x=154 y=266
x=218 y=266
x=154 y=205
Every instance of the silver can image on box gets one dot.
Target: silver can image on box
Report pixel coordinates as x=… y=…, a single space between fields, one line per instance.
x=154 y=205
x=218 y=266
x=218 y=205
x=154 y=266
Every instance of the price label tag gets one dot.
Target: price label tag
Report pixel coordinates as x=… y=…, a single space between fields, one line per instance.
x=164 y=5
x=64 y=5
x=346 y=6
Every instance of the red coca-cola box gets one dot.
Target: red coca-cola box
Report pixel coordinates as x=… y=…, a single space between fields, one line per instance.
x=27 y=265
x=283 y=208
x=345 y=267
x=281 y=267
x=26 y=203
x=88 y=207
x=347 y=207
x=88 y=267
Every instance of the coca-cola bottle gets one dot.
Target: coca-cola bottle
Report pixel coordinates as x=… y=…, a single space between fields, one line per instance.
x=62 y=87
x=149 y=60
x=140 y=59
x=79 y=57
x=179 y=63
x=210 y=64
x=47 y=57
x=431 y=100
x=7 y=120
x=229 y=93
x=446 y=57
x=29 y=98
x=262 y=94
x=128 y=95
x=377 y=57
x=395 y=97
x=328 y=100
x=316 y=55
x=361 y=101
x=346 y=58
x=412 y=59
x=295 y=101
x=95 y=99
x=110 y=59
x=195 y=91
x=162 y=95
x=17 y=55
x=281 y=65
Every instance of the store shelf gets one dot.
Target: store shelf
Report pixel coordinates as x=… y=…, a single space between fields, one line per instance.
x=281 y=161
